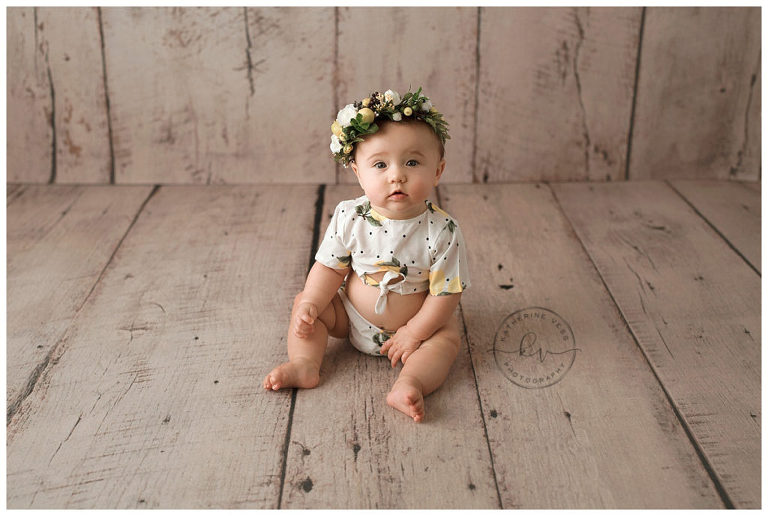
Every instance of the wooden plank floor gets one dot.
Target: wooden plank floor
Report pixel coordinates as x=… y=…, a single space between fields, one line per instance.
x=611 y=353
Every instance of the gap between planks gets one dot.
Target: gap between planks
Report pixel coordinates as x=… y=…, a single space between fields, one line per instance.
x=319 y=200
x=711 y=225
x=726 y=499
x=49 y=361
x=477 y=388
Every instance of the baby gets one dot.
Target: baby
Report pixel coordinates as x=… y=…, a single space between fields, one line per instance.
x=408 y=253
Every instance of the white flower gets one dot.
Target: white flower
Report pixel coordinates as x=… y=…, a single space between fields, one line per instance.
x=393 y=96
x=335 y=144
x=346 y=115
x=426 y=105
x=397 y=116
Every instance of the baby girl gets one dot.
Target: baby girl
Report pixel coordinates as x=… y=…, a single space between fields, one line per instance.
x=409 y=255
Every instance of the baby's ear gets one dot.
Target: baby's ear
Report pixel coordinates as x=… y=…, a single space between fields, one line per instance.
x=439 y=171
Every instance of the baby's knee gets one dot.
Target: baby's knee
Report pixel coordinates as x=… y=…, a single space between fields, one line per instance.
x=454 y=341
x=447 y=338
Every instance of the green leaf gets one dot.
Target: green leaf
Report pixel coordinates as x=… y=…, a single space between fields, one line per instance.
x=393 y=263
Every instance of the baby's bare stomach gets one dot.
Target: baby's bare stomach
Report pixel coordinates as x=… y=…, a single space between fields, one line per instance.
x=399 y=310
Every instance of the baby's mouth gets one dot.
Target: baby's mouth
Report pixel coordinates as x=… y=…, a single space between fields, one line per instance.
x=397 y=193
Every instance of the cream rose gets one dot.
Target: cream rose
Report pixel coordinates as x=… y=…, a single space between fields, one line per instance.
x=335 y=144
x=347 y=113
x=397 y=116
x=393 y=96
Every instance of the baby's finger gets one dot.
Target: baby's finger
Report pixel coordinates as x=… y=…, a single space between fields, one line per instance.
x=302 y=329
x=396 y=356
x=303 y=323
x=385 y=347
x=405 y=356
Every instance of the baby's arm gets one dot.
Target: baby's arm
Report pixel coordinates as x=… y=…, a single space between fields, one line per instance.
x=322 y=284
x=433 y=315
x=320 y=287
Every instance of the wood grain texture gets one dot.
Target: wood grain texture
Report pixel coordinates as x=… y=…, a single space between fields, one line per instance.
x=693 y=306
x=29 y=119
x=246 y=94
x=59 y=239
x=349 y=449
x=82 y=131
x=209 y=95
x=555 y=92
x=604 y=435
x=12 y=192
x=733 y=210
x=155 y=400
x=752 y=185
x=431 y=47
x=697 y=112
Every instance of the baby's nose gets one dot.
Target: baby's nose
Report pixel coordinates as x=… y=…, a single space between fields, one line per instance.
x=397 y=174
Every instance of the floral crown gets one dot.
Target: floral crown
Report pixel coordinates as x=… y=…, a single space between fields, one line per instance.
x=358 y=119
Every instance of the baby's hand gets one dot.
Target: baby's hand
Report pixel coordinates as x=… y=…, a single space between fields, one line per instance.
x=304 y=321
x=400 y=345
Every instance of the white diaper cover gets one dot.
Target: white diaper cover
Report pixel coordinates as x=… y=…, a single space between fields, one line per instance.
x=363 y=334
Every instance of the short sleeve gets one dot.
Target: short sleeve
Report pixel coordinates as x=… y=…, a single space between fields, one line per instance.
x=449 y=273
x=332 y=251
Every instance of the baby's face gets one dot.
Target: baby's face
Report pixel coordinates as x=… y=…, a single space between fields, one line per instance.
x=402 y=157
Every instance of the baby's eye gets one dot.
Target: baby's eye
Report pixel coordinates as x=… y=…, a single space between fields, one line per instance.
x=412 y=161
x=376 y=165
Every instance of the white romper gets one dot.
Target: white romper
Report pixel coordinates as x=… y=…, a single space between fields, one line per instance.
x=427 y=251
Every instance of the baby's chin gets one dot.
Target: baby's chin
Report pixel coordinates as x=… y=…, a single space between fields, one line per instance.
x=402 y=209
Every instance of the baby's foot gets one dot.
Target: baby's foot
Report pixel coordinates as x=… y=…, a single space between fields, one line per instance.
x=407 y=398
x=298 y=373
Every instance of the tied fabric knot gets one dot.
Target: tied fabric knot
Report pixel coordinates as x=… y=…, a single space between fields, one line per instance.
x=385 y=285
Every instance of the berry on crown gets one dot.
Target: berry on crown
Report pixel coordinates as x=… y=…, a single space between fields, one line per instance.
x=359 y=119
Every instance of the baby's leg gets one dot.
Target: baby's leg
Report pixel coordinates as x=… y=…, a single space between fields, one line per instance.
x=425 y=370
x=305 y=355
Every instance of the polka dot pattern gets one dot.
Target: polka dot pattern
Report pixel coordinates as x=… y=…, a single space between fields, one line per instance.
x=427 y=250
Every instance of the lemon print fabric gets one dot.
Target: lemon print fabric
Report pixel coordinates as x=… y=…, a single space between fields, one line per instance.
x=333 y=252
x=381 y=337
x=393 y=264
x=369 y=214
x=449 y=273
x=439 y=285
x=427 y=250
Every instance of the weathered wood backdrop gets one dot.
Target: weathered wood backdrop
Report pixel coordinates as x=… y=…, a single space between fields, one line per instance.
x=246 y=95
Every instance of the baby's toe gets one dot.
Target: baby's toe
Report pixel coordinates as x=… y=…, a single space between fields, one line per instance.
x=273 y=381
x=417 y=411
